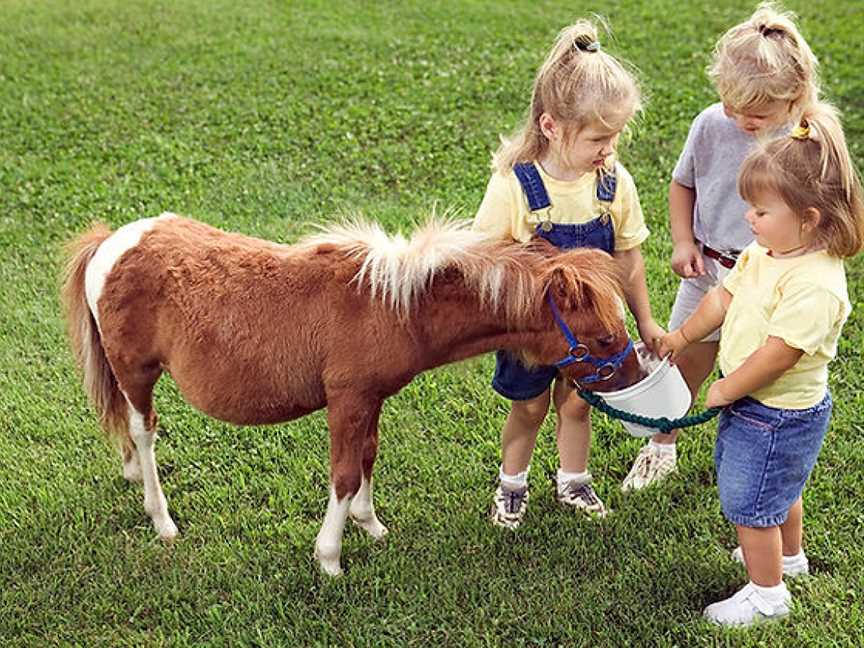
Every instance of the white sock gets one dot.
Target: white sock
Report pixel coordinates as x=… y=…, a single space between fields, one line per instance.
x=578 y=477
x=797 y=558
x=662 y=448
x=775 y=594
x=519 y=480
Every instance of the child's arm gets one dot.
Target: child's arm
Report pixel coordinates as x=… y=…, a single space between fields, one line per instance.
x=686 y=257
x=708 y=316
x=636 y=293
x=761 y=368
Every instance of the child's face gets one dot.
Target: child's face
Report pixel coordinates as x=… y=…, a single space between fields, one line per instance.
x=589 y=148
x=773 y=223
x=755 y=120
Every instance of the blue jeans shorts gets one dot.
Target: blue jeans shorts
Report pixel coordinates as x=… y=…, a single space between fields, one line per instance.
x=764 y=456
x=515 y=381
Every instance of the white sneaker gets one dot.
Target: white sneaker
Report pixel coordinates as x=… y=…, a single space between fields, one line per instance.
x=746 y=607
x=581 y=496
x=509 y=506
x=649 y=467
x=792 y=565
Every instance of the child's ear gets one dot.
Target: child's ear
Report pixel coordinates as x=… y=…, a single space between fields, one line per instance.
x=810 y=221
x=548 y=126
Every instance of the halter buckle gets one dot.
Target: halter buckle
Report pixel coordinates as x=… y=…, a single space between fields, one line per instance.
x=579 y=352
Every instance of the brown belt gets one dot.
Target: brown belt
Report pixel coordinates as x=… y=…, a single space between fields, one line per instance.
x=727 y=259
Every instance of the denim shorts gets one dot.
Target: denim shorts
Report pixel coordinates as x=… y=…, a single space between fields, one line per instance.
x=764 y=456
x=515 y=381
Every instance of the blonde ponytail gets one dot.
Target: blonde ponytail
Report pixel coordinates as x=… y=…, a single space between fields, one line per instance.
x=812 y=169
x=578 y=84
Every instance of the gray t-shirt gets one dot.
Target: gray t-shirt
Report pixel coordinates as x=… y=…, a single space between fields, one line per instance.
x=709 y=163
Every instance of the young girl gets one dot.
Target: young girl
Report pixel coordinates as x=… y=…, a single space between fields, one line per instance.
x=782 y=308
x=557 y=179
x=766 y=76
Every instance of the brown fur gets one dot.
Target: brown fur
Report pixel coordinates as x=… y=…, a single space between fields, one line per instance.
x=253 y=332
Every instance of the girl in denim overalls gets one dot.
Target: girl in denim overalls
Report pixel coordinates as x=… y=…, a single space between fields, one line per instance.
x=782 y=309
x=557 y=179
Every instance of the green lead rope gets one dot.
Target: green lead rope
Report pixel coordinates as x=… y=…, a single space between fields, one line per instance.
x=662 y=424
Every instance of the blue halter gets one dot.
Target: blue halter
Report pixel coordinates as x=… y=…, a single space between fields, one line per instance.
x=578 y=352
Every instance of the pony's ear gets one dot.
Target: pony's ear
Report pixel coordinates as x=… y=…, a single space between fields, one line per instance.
x=568 y=288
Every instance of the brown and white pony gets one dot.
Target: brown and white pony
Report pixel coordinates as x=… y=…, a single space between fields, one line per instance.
x=254 y=332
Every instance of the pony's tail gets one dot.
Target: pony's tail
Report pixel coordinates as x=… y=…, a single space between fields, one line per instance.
x=99 y=380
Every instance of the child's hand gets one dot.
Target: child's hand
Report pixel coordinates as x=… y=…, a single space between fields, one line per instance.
x=671 y=345
x=715 y=397
x=687 y=260
x=650 y=332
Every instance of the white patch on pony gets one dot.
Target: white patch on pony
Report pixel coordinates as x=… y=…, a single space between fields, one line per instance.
x=155 y=504
x=362 y=511
x=111 y=249
x=328 y=544
x=622 y=308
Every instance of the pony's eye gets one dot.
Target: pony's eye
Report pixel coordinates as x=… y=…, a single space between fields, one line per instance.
x=606 y=341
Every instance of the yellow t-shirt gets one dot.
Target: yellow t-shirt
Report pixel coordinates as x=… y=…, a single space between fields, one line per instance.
x=504 y=212
x=801 y=300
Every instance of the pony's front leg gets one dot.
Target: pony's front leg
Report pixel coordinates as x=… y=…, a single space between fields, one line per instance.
x=362 y=509
x=328 y=544
x=349 y=418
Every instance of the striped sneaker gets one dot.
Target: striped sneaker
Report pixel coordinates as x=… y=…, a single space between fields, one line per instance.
x=581 y=496
x=509 y=506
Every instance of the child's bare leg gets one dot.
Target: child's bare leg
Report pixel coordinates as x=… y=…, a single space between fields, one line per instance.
x=762 y=554
x=696 y=364
x=573 y=431
x=517 y=445
x=792 y=529
x=572 y=428
x=520 y=432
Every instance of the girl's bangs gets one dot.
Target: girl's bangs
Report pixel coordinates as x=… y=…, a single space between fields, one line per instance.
x=756 y=177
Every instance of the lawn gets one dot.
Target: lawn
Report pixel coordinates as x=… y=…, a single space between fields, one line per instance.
x=267 y=118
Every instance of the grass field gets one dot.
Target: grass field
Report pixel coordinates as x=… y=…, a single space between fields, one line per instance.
x=265 y=118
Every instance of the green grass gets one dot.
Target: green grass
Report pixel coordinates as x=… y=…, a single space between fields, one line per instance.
x=264 y=118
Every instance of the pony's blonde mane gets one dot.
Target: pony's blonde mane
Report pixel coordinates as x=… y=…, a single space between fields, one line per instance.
x=505 y=276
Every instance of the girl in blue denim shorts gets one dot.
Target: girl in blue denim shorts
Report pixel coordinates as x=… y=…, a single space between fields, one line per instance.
x=782 y=309
x=557 y=179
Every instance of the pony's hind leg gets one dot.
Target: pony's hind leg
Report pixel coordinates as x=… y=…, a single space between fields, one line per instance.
x=131 y=463
x=142 y=429
x=349 y=418
x=362 y=508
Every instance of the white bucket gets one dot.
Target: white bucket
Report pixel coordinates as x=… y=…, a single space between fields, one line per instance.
x=662 y=392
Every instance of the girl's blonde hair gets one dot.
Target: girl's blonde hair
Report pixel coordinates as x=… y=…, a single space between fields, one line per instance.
x=765 y=59
x=578 y=84
x=812 y=169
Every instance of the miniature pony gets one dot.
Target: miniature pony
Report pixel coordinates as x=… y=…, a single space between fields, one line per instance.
x=254 y=332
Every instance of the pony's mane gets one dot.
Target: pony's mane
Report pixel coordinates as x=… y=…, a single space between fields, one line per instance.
x=505 y=276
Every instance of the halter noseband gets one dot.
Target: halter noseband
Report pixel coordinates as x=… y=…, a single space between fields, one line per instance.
x=578 y=352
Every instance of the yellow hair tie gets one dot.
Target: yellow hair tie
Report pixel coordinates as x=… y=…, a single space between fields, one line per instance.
x=801 y=132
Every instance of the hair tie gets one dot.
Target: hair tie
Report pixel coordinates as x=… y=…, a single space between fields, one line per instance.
x=593 y=46
x=801 y=131
x=767 y=31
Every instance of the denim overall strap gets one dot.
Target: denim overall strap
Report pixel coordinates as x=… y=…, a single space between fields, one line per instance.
x=532 y=186
x=607 y=183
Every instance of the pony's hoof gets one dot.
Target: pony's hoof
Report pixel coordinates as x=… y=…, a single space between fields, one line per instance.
x=132 y=472
x=329 y=566
x=167 y=531
x=373 y=527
